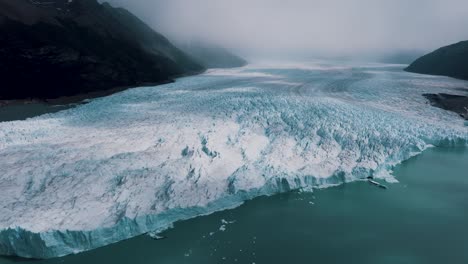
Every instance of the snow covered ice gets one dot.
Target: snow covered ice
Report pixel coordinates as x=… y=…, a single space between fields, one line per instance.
x=139 y=160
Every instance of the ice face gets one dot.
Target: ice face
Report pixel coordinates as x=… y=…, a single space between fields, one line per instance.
x=142 y=159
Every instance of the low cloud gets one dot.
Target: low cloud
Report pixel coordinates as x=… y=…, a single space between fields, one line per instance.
x=339 y=27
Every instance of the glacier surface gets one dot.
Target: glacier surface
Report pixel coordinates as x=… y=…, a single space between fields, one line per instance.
x=139 y=160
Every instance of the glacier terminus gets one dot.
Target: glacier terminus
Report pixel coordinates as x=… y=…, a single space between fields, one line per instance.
x=142 y=159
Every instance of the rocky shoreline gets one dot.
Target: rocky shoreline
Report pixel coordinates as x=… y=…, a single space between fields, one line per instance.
x=38 y=106
x=454 y=103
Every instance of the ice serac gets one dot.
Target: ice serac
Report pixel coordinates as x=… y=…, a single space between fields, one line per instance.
x=142 y=159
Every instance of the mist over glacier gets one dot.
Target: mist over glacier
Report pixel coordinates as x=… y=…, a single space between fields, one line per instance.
x=139 y=160
x=309 y=27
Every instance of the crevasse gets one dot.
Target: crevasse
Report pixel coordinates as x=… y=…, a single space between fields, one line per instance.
x=139 y=160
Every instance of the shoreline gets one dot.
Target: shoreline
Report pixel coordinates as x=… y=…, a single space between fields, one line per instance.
x=454 y=103
x=76 y=99
x=73 y=99
x=9 y=108
x=18 y=110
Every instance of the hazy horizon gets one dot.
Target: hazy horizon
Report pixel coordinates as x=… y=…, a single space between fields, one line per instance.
x=322 y=27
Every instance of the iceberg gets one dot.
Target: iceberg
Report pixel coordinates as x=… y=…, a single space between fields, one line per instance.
x=140 y=160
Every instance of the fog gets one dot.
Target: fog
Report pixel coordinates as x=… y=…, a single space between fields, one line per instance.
x=333 y=27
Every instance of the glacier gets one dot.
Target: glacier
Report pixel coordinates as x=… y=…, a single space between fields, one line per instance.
x=140 y=160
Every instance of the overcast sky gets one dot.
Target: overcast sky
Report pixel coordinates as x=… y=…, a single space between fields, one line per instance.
x=318 y=26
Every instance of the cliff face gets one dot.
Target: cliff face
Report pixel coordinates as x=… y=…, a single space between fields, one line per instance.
x=449 y=61
x=66 y=47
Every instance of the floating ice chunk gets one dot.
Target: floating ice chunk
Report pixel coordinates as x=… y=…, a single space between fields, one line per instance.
x=225 y=222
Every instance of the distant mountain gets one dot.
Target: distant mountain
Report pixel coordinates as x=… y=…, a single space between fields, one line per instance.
x=401 y=57
x=53 y=48
x=212 y=56
x=449 y=61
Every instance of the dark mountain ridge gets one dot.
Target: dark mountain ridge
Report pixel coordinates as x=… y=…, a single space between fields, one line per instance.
x=62 y=48
x=449 y=61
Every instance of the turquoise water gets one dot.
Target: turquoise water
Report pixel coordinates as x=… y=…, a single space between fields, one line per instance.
x=423 y=219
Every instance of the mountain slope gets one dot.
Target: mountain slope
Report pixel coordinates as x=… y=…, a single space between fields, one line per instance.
x=61 y=48
x=212 y=56
x=449 y=61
